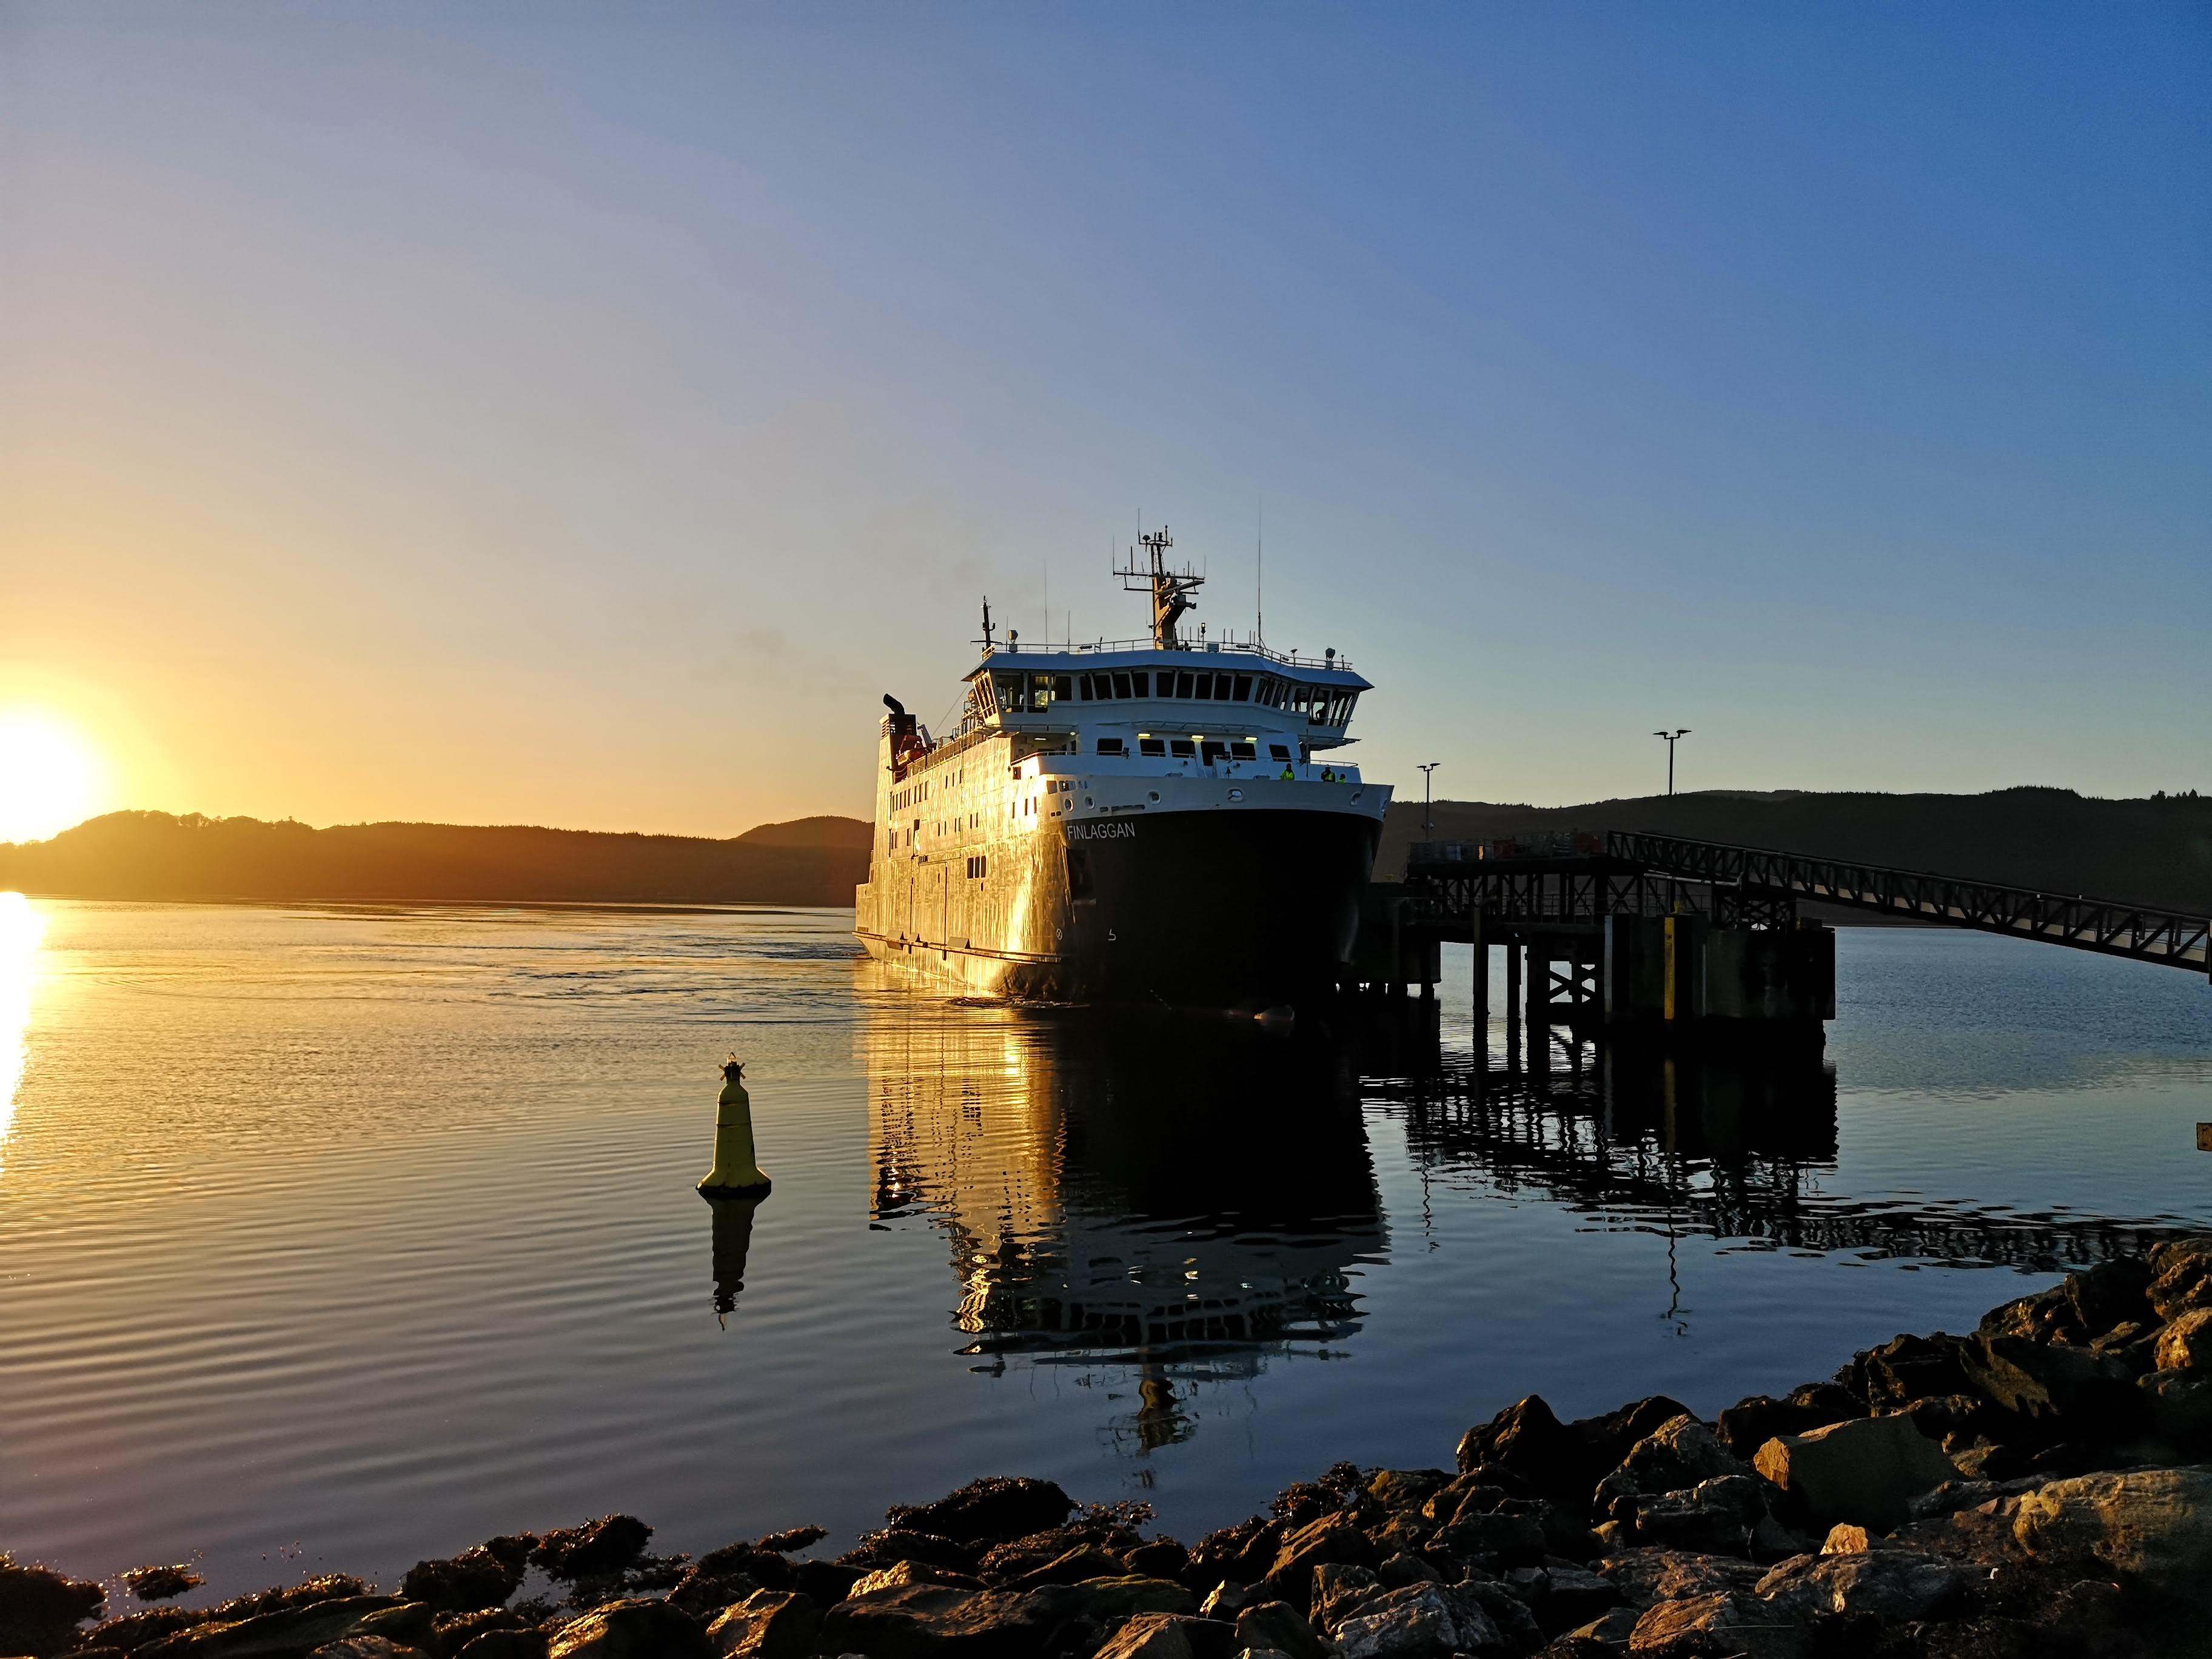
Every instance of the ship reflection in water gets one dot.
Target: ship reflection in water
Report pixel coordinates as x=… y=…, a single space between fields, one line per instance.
x=1170 y=1204
x=1163 y=1204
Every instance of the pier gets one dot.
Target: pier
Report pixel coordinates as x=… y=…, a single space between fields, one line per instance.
x=1671 y=935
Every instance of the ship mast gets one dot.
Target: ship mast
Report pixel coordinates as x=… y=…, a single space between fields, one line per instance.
x=1173 y=591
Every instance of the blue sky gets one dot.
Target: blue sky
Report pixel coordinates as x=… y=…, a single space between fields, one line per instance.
x=582 y=415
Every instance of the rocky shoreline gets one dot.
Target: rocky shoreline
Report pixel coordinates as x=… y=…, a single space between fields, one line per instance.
x=2041 y=1487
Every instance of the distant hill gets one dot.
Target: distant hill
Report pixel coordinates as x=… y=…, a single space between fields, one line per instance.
x=2156 y=851
x=154 y=856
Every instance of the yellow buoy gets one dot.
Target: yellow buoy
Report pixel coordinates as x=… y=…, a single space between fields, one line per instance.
x=734 y=1175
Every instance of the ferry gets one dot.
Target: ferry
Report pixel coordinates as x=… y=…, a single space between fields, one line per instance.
x=1163 y=821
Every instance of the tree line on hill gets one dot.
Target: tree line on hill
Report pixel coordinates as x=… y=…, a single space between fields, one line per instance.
x=2155 y=852
x=157 y=855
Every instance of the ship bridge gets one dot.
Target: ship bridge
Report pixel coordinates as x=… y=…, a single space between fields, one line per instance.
x=1131 y=683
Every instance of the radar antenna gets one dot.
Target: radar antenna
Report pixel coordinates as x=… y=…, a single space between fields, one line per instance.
x=1173 y=591
x=986 y=641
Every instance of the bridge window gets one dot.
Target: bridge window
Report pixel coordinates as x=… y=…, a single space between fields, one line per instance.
x=1280 y=751
x=1211 y=751
x=1014 y=693
x=1243 y=687
x=1240 y=751
x=1156 y=747
x=1202 y=687
x=1182 y=687
x=1083 y=687
x=1111 y=746
x=1121 y=686
x=1063 y=687
x=1181 y=748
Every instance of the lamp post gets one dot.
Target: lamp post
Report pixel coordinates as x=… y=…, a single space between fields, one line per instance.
x=1426 y=833
x=1672 y=738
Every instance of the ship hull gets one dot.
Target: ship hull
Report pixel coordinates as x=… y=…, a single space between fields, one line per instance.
x=1215 y=908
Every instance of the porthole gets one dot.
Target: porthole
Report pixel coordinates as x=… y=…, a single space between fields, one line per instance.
x=1238 y=794
x=1155 y=794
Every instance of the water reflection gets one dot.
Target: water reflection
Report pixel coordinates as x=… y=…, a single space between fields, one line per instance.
x=733 y=1241
x=1737 y=1144
x=1162 y=1202
x=22 y=927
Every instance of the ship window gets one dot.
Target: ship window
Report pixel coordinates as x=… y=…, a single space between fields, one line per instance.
x=1182 y=687
x=1062 y=687
x=1154 y=746
x=1083 y=687
x=1138 y=679
x=1111 y=746
x=1121 y=686
x=1240 y=751
x=1202 y=687
x=1243 y=687
x=1040 y=693
x=1280 y=751
x=1012 y=693
x=1211 y=752
x=1181 y=748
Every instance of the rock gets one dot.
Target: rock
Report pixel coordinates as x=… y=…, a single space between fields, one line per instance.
x=39 y=1611
x=1673 y=1457
x=1612 y=1628
x=1567 y=1598
x=1225 y=1601
x=366 y=1647
x=1889 y=1586
x=2041 y=1383
x=462 y=1584
x=986 y=1510
x=1907 y=1368
x=2036 y=1318
x=1514 y=1539
x=2186 y=1343
x=505 y=1644
x=594 y=1550
x=1745 y=1426
x=1406 y=1568
x=900 y=1574
x=1084 y=1561
x=893 y=1545
x=1333 y=1539
x=1153 y=1636
x=1866 y=1472
x=1648 y=1575
x=1985 y=1460
x=792 y=1538
x=1161 y=1559
x=1279 y=1626
x=919 y=1620
x=631 y=1630
x=1421 y=1622
x=767 y=1625
x=159 y=1583
x=134 y=1630
x=1727 y=1622
x=757 y=1568
x=828 y=1582
x=1339 y=1591
x=2181 y=1277
x=2179 y=1404
x=2155 y=1524
x=2114 y=1292
x=297 y=1629
x=1844 y=1539
x=1956 y=1495
x=1526 y=1437
x=1502 y=1606
x=1406 y=1489
x=1714 y=1517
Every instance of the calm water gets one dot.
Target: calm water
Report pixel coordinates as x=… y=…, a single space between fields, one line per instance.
x=333 y=1238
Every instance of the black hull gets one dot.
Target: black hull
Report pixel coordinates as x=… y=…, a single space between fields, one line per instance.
x=1217 y=909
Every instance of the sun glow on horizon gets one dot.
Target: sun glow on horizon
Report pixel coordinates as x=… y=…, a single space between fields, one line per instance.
x=51 y=775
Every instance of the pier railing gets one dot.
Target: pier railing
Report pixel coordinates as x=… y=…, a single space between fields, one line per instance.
x=2113 y=928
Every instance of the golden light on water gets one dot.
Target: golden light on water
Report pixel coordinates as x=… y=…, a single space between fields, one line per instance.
x=50 y=776
x=22 y=927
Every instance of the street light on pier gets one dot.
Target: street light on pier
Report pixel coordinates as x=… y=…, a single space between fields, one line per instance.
x=1427 y=767
x=1672 y=738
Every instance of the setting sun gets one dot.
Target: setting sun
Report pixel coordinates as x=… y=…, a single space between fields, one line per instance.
x=50 y=777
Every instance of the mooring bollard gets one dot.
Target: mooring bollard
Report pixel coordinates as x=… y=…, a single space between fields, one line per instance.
x=734 y=1175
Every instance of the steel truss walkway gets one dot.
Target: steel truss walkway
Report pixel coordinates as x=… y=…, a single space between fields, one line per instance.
x=2135 y=931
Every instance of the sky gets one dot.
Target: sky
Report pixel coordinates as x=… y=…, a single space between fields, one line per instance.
x=583 y=415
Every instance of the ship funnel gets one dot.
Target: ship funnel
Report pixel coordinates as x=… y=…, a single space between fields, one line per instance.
x=893 y=704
